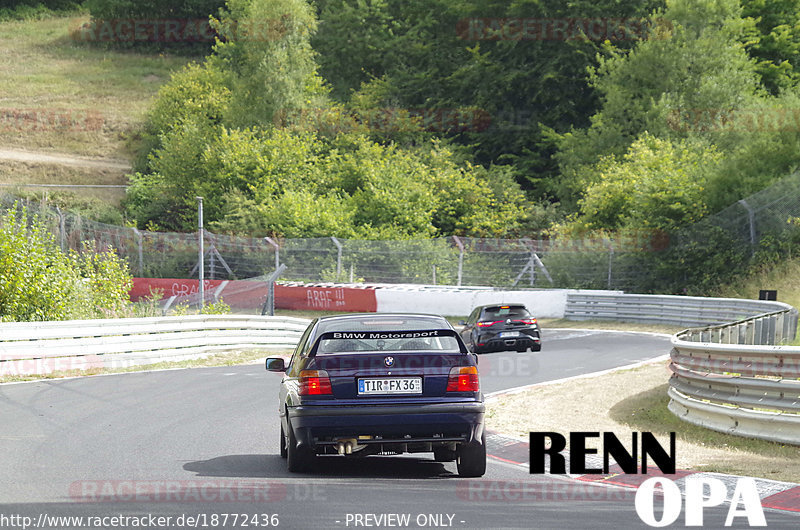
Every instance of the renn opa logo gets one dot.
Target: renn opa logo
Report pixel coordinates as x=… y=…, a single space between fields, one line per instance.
x=700 y=491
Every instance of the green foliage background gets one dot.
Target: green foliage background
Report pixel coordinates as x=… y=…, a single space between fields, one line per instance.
x=39 y=282
x=311 y=131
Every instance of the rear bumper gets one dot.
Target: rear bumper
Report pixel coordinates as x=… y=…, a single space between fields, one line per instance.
x=313 y=425
x=514 y=343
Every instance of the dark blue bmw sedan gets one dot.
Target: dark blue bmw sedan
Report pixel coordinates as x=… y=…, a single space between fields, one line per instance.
x=381 y=384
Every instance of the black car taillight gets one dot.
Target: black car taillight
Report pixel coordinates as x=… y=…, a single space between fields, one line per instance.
x=463 y=379
x=315 y=383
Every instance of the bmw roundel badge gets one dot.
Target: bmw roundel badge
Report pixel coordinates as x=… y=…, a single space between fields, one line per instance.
x=389 y=361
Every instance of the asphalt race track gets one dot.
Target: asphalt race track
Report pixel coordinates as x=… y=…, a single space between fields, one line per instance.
x=200 y=446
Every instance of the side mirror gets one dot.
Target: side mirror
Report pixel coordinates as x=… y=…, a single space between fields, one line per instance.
x=462 y=322
x=276 y=364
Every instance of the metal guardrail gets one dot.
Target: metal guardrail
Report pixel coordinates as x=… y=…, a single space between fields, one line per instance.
x=736 y=378
x=45 y=347
x=689 y=311
x=730 y=372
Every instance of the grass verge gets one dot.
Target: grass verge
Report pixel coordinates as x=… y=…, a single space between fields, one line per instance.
x=636 y=400
x=220 y=359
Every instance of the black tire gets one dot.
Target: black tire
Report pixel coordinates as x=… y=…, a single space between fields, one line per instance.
x=297 y=459
x=283 y=443
x=471 y=461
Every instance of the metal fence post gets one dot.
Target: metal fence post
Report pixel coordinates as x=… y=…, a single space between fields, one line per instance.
x=201 y=252
x=277 y=251
x=751 y=216
x=338 y=258
x=62 y=231
x=139 y=241
x=460 y=246
x=269 y=303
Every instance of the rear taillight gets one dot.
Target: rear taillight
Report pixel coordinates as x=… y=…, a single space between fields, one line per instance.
x=529 y=321
x=315 y=383
x=487 y=324
x=463 y=379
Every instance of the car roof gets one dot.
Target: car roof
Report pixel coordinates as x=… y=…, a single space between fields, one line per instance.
x=394 y=321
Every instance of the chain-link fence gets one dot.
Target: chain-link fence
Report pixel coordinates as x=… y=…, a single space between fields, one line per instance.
x=651 y=262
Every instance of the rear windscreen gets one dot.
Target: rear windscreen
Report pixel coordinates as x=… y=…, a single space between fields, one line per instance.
x=501 y=313
x=356 y=341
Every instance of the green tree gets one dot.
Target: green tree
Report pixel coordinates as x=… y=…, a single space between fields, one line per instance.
x=774 y=41
x=696 y=63
x=656 y=185
x=267 y=52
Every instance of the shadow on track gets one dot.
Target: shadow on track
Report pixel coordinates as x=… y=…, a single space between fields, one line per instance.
x=259 y=466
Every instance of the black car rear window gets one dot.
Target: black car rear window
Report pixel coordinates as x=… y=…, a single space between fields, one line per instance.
x=501 y=312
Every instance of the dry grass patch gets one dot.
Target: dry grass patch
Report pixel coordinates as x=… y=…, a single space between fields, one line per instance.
x=14 y=175
x=636 y=400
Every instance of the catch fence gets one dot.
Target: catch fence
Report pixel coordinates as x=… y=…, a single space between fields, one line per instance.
x=648 y=261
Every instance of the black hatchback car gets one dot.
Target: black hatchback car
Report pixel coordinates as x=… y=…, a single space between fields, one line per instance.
x=500 y=328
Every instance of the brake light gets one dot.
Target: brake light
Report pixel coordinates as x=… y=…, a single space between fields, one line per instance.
x=487 y=324
x=529 y=321
x=463 y=379
x=315 y=383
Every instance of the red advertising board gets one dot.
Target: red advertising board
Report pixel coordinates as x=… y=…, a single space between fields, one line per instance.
x=245 y=294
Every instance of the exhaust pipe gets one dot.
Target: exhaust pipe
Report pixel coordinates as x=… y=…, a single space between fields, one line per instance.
x=341 y=448
x=348 y=448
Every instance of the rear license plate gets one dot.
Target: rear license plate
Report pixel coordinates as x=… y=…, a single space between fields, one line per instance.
x=505 y=334
x=390 y=385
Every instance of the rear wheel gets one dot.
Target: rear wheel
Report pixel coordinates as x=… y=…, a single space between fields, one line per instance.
x=283 y=443
x=471 y=460
x=298 y=459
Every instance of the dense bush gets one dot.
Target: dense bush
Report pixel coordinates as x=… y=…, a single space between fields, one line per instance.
x=28 y=9
x=152 y=9
x=39 y=282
